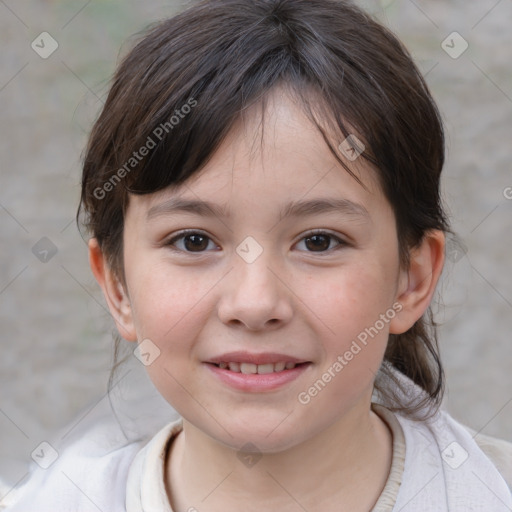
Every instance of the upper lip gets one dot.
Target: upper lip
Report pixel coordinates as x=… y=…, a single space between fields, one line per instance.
x=248 y=357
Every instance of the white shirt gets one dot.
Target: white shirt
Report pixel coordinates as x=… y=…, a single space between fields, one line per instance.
x=423 y=477
x=436 y=466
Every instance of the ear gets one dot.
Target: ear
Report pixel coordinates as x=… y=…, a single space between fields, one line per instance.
x=417 y=284
x=117 y=299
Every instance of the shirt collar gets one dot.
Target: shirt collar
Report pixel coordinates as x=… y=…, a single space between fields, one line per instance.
x=145 y=489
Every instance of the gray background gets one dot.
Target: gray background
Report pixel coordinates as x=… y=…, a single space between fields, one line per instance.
x=56 y=333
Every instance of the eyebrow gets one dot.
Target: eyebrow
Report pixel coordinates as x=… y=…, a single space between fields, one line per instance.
x=327 y=205
x=293 y=209
x=180 y=205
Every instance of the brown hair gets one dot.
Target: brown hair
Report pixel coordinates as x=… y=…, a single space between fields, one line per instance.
x=179 y=90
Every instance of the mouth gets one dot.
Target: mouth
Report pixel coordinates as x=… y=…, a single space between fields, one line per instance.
x=260 y=369
x=257 y=372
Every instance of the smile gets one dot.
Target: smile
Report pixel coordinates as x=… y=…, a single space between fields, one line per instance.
x=256 y=377
x=261 y=369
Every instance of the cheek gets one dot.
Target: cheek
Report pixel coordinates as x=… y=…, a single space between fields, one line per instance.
x=170 y=309
x=357 y=309
x=355 y=300
x=165 y=300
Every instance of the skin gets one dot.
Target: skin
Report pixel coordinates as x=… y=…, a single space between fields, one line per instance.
x=332 y=453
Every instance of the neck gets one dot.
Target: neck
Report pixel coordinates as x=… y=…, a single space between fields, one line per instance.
x=345 y=467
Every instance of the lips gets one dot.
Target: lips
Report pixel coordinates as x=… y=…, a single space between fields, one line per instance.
x=257 y=382
x=257 y=372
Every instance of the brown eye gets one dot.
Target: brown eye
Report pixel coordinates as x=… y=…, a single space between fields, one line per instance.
x=321 y=242
x=318 y=243
x=190 y=242
x=195 y=242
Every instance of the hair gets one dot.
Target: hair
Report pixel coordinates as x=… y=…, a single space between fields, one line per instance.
x=178 y=92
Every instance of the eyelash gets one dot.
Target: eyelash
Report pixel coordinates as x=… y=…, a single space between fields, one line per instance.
x=340 y=243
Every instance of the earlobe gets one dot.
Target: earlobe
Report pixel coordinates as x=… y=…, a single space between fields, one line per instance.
x=418 y=282
x=117 y=300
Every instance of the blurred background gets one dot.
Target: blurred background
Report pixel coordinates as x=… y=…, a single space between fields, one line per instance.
x=56 y=335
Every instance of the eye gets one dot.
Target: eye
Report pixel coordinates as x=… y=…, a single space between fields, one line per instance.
x=321 y=241
x=190 y=241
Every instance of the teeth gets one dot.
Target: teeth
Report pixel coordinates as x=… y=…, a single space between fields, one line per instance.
x=248 y=368
x=251 y=368
x=279 y=367
x=266 y=368
x=234 y=367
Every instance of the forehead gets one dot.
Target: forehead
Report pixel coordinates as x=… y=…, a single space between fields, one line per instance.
x=273 y=157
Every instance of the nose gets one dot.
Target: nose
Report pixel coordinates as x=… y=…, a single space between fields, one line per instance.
x=255 y=295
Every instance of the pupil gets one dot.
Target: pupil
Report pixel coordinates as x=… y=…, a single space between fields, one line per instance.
x=196 y=242
x=319 y=241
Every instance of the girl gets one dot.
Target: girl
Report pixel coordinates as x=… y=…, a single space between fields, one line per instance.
x=262 y=191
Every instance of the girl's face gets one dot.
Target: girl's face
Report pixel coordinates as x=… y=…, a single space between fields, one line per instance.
x=285 y=259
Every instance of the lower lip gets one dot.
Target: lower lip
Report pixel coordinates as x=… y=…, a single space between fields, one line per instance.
x=255 y=382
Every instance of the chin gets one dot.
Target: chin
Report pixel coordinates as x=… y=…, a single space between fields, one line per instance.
x=259 y=432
